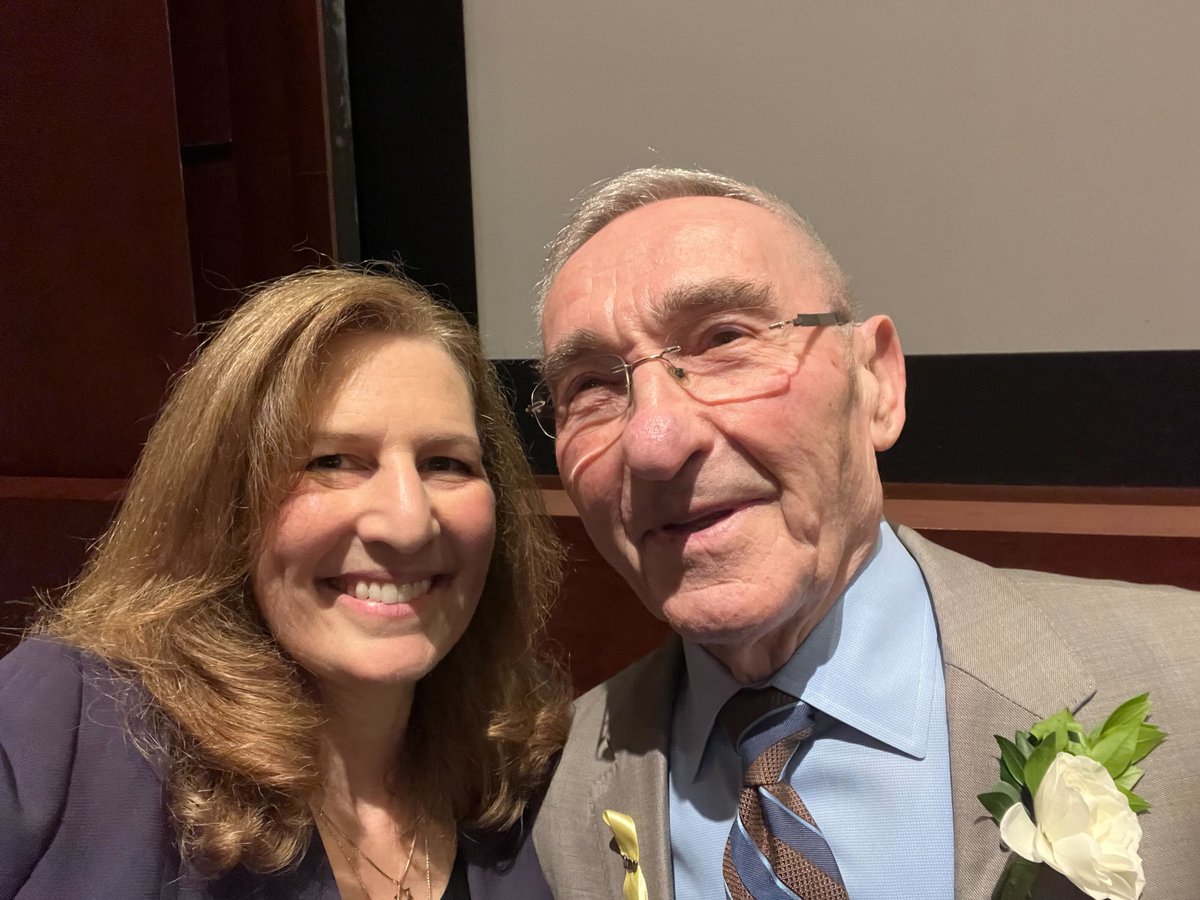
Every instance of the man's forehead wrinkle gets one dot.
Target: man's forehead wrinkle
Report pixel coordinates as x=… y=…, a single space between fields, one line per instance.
x=713 y=295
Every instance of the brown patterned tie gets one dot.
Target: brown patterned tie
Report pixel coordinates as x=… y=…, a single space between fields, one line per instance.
x=775 y=849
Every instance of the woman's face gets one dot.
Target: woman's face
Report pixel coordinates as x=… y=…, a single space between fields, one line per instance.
x=377 y=559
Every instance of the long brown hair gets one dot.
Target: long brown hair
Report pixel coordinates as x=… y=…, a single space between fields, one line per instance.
x=166 y=600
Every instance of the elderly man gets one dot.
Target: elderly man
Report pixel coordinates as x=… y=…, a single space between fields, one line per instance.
x=717 y=411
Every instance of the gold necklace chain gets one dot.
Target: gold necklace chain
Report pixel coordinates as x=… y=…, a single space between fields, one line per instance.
x=402 y=893
x=358 y=877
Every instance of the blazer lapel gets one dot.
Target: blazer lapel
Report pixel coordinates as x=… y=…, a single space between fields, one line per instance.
x=631 y=787
x=615 y=758
x=1006 y=667
x=637 y=735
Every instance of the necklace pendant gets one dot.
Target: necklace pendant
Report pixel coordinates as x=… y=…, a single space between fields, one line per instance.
x=403 y=893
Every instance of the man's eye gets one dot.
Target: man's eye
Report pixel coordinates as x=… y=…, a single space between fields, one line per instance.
x=599 y=380
x=707 y=336
x=329 y=461
x=719 y=337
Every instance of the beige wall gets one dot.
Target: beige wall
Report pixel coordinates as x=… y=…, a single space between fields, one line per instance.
x=998 y=176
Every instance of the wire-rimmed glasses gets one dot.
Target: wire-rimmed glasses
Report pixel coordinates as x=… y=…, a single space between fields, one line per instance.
x=723 y=357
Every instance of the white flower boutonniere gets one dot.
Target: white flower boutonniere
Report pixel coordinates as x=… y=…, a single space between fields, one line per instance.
x=1065 y=799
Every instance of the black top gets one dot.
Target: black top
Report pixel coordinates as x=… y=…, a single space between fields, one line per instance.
x=457 y=888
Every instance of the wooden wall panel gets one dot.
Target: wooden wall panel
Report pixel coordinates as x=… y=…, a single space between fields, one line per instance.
x=599 y=623
x=157 y=157
x=251 y=102
x=95 y=288
x=55 y=538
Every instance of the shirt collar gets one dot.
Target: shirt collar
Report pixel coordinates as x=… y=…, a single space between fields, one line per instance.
x=871 y=662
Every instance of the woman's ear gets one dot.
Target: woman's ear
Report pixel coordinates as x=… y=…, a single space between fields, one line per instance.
x=883 y=364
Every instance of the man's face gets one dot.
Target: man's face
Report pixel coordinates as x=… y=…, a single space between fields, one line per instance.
x=738 y=523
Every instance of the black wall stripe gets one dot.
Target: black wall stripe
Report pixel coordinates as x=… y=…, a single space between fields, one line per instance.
x=412 y=158
x=1087 y=419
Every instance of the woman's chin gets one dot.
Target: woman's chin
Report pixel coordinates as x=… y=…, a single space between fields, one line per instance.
x=343 y=680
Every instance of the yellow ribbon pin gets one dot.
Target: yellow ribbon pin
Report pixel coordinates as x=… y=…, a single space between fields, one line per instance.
x=625 y=834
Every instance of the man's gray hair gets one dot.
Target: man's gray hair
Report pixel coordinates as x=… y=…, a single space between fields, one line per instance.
x=609 y=199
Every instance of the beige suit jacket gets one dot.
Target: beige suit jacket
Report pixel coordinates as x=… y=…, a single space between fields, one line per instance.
x=1017 y=646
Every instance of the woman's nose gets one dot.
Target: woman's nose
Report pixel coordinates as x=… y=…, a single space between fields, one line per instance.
x=397 y=510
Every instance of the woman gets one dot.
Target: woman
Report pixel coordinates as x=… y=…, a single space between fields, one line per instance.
x=303 y=662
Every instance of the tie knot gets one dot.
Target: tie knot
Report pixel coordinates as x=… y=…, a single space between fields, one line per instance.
x=766 y=726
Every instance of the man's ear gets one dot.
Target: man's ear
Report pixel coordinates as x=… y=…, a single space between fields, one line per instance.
x=883 y=364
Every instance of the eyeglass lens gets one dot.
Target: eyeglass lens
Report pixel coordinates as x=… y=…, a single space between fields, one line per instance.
x=727 y=357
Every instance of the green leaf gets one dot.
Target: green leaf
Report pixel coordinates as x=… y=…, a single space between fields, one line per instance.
x=999 y=799
x=1135 y=709
x=1058 y=739
x=1023 y=744
x=1016 y=883
x=1012 y=762
x=1039 y=762
x=1061 y=723
x=1149 y=737
x=1076 y=747
x=1129 y=778
x=1077 y=743
x=1115 y=749
x=1136 y=803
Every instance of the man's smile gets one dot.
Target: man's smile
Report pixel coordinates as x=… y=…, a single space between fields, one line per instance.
x=708 y=519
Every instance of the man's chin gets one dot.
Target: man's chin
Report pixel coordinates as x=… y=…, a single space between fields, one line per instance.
x=714 y=632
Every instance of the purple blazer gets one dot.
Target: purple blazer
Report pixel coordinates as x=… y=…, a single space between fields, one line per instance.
x=82 y=811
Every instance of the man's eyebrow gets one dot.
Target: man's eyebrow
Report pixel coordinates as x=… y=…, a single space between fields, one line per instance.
x=577 y=344
x=682 y=302
x=690 y=300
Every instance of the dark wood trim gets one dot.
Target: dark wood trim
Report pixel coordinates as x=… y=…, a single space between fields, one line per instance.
x=1135 y=512
x=1030 y=493
x=1149 y=512
x=19 y=487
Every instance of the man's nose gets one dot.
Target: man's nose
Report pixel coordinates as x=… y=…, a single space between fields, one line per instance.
x=664 y=427
x=398 y=510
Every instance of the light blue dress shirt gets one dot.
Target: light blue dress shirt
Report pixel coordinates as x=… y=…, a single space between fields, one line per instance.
x=876 y=777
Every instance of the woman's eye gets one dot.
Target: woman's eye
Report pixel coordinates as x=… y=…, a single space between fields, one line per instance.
x=326 y=462
x=448 y=464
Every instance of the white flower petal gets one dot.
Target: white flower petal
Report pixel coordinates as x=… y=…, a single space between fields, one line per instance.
x=1060 y=811
x=1019 y=833
x=1085 y=829
x=1074 y=856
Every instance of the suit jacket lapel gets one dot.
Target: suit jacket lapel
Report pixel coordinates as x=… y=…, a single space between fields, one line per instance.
x=1006 y=667
x=636 y=736
x=616 y=758
x=633 y=786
